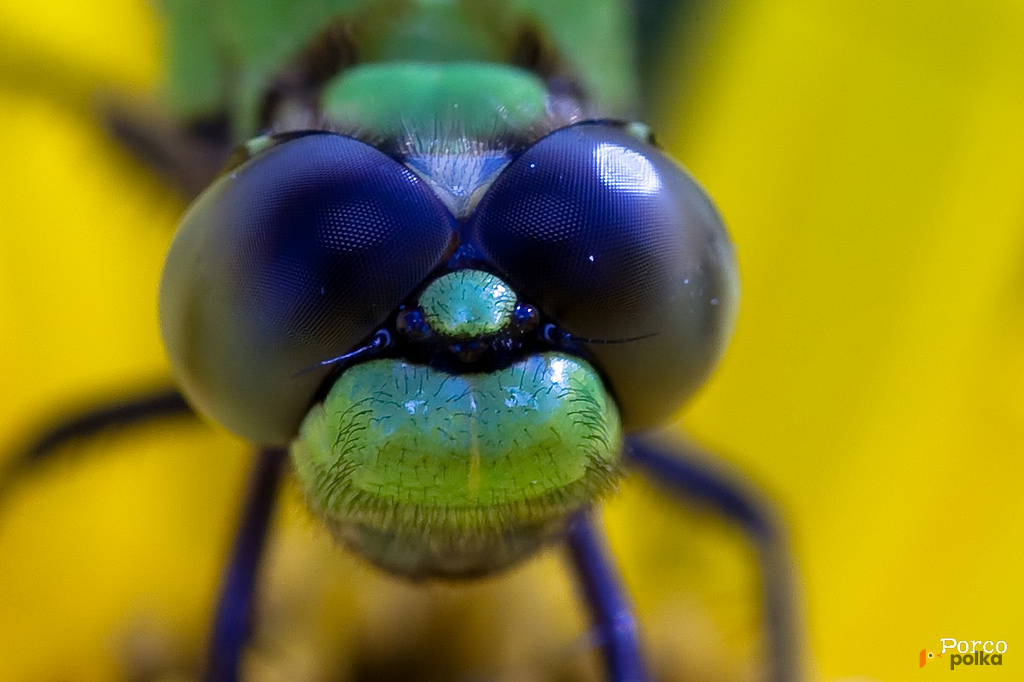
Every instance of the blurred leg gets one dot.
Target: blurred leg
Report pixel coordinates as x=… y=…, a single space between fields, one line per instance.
x=609 y=605
x=733 y=499
x=159 y=404
x=232 y=624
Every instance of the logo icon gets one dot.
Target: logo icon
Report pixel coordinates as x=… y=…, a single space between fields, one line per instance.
x=927 y=656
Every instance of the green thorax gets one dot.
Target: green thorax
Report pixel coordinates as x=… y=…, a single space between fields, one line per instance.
x=244 y=57
x=468 y=100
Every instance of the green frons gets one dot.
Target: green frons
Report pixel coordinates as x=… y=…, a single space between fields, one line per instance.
x=467 y=303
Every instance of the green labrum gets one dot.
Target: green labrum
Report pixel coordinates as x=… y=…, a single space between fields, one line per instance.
x=433 y=474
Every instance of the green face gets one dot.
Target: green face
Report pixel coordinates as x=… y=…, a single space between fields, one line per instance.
x=427 y=472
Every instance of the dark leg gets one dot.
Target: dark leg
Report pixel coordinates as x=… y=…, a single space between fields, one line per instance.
x=609 y=605
x=232 y=624
x=187 y=156
x=148 y=407
x=733 y=499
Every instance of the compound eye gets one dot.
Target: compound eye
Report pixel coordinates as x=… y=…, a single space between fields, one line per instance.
x=292 y=258
x=617 y=244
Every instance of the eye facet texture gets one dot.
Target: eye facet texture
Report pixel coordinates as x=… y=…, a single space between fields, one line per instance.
x=614 y=241
x=290 y=259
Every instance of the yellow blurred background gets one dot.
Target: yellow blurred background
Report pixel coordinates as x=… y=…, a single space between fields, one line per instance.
x=869 y=160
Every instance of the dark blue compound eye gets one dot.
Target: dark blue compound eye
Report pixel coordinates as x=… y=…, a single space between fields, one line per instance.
x=616 y=243
x=292 y=258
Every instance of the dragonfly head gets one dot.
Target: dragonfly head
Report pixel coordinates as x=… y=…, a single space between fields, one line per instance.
x=486 y=363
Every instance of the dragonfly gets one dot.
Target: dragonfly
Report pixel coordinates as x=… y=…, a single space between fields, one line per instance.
x=437 y=271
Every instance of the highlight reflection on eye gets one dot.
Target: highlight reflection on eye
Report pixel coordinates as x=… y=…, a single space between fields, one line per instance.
x=626 y=170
